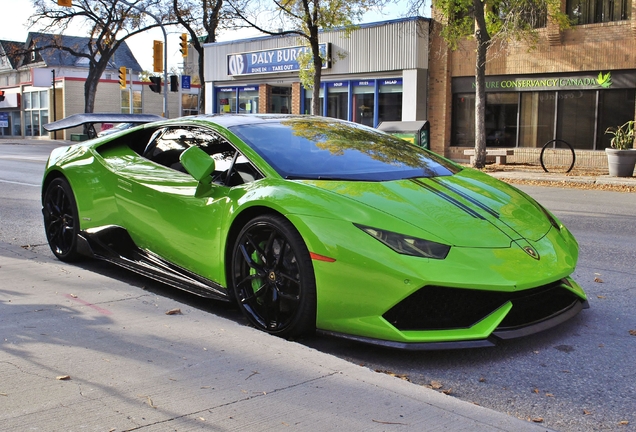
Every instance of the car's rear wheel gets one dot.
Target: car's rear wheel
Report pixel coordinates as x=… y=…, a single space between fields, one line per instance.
x=61 y=222
x=273 y=277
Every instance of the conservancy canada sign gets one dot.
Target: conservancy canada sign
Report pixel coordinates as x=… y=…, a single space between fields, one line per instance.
x=271 y=61
x=579 y=81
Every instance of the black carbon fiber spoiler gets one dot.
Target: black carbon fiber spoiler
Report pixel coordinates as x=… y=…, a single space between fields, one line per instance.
x=91 y=118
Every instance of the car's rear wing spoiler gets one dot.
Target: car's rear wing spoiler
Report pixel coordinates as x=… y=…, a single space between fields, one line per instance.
x=91 y=118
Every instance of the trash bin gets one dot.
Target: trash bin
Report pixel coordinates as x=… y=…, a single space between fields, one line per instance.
x=416 y=132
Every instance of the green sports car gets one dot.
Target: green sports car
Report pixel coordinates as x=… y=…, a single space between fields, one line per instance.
x=312 y=223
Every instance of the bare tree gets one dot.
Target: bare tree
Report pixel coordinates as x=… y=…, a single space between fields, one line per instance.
x=110 y=23
x=202 y=19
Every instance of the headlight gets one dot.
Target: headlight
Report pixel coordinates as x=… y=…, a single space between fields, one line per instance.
x=407 y=245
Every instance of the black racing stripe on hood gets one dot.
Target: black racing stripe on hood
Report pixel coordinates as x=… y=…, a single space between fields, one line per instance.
x=467 y=197
x=449 y=199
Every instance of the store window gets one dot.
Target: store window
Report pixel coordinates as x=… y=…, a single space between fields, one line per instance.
x=597 y=11
x=189 y=104
x=338 y=100
x=137 y=107
x=390 y=100
x=536 y=125
x=615 y=107
x=226 y=100
x=281 y=100
x=237 y=99
x=308 y=99
x=581 y=117
x=501 y=119
x=576 y=117
x=248 y=100
x=463 y=120
x=363 y=102
x=36 y=112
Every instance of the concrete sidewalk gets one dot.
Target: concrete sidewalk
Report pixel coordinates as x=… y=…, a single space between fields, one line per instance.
x=131 y=366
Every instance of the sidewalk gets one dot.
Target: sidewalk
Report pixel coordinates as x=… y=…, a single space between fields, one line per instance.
x=83 y=351
x=598 y=180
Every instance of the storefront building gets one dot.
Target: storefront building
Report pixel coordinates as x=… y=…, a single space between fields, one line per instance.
x=377 y=73
x=571 y=86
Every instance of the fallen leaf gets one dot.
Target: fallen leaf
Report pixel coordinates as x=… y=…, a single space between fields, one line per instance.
x=549 y=395
x=632 y=332
x=149 y=401
x=482 y=379
x=536 y=391
x=586 y=412
x=623 y=422
x=538 y=419
x=63 y=377
x=404 y=377
x=175 y=311
x=251 y=375
x=598 y=280
x=600 y=296
x=436 y=385
x=447 y=392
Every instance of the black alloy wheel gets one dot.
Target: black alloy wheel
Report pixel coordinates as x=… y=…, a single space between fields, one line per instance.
x=61 y=222
x=273 y=277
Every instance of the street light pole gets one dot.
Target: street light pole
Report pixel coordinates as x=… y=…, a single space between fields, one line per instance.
x=165 y=55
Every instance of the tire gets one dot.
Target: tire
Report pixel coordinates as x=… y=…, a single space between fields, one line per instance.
x=273 y=277
x=61 y=221
x=557 y=156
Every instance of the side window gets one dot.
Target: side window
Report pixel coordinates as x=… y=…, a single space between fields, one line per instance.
x=166 y=146
x=231 y=167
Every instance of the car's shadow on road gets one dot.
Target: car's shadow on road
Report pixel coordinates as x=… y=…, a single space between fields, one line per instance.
x=372 y=356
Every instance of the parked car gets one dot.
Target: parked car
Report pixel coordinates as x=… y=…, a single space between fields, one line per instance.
x=312 y=223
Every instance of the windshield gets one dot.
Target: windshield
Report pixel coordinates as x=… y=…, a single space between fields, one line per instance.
x=329 y=149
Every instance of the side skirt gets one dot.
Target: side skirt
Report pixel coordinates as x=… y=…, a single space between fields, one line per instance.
x=114 y=244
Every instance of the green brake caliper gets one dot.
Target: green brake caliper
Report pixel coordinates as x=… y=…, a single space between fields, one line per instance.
x=256 y=282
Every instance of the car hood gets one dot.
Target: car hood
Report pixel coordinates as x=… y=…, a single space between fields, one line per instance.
x=468 y=209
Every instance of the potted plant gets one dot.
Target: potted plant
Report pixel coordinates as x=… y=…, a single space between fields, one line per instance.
x=621 y=157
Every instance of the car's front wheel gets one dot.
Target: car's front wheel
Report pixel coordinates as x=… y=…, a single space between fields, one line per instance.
x=273 y=277
x=61 y=222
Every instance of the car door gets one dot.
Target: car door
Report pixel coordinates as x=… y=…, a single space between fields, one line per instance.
x=157 y=202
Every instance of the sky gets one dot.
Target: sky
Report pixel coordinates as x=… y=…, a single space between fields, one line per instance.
x=14 y=28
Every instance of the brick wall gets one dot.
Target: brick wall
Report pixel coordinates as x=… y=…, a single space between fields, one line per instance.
x=296 y=92
x=264 y=98
x=591 y=47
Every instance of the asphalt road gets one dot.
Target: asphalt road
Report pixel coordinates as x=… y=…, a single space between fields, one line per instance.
x=580 y=376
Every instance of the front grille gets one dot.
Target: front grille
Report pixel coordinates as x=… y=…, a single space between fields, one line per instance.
x=443 y=308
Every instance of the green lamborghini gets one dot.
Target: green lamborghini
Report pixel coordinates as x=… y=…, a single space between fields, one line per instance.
x=315 y=224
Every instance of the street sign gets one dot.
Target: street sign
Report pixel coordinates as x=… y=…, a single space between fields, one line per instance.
x=185 y=82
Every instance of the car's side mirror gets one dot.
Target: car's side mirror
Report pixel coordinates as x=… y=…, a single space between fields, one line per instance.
x=198 y=164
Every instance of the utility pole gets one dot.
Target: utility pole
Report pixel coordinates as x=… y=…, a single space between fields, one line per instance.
x=165 y=55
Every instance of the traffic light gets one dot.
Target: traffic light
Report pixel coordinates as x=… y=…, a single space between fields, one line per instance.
x=157 y=56
x=156 y=84
x=64 y=3
x=122 y=77
x=174 y=83
x=1 y=95
x=184 y=44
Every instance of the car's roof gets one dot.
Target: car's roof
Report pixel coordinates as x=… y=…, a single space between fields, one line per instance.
x=229 y=120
